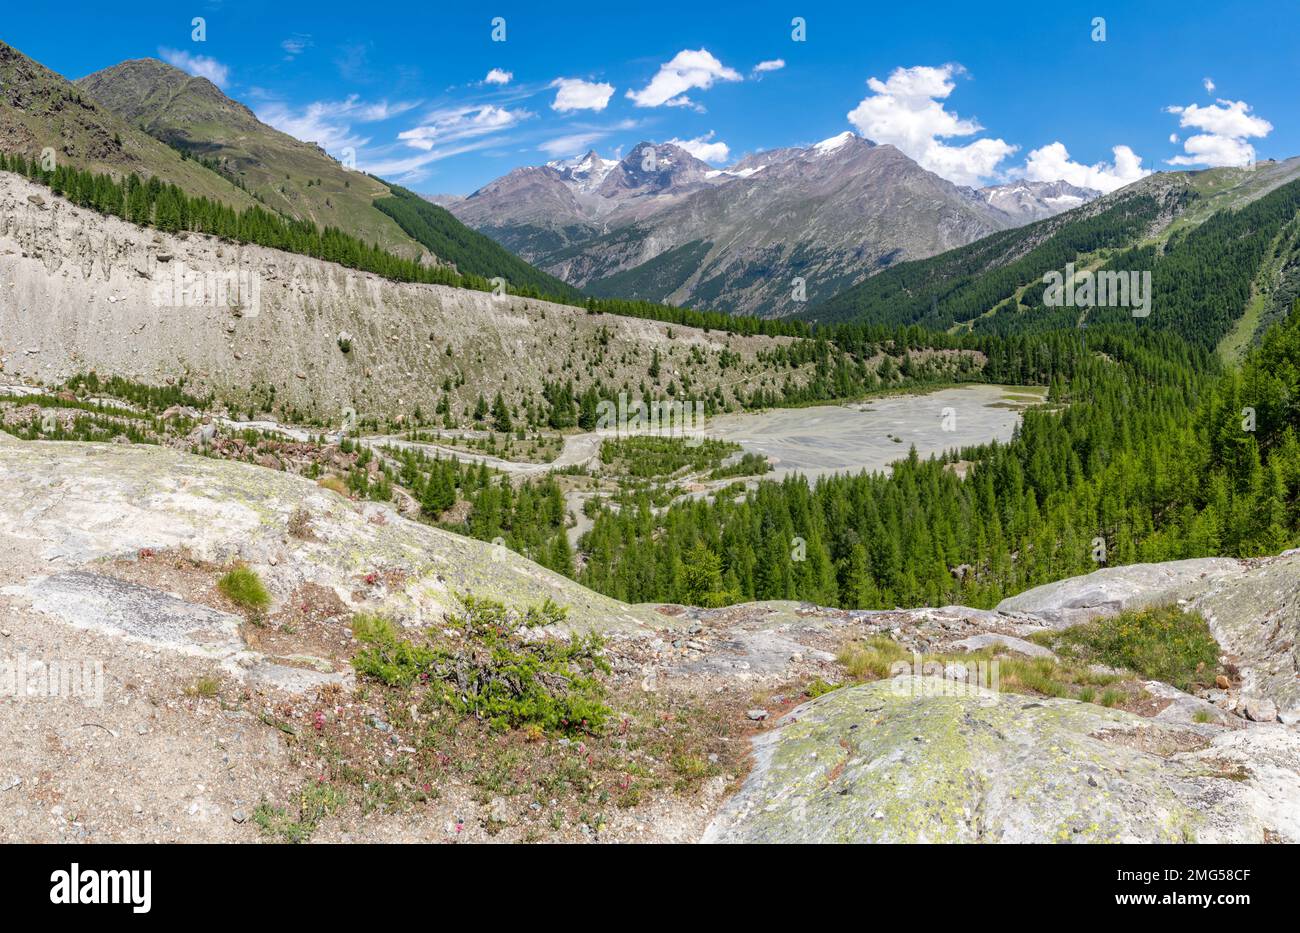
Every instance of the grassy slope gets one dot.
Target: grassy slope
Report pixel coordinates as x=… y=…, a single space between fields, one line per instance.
x=41 y=109
x=292 y=177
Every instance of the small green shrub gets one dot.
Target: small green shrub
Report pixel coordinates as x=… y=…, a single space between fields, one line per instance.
x=244 y=588
x=818 y=688
x=493 y=674
x=871 y=658
x=204 y=687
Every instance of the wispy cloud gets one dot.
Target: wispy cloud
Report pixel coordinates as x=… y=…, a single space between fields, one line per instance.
x=583 y=136
x=329 y=123
x=572 y=144
x=499 y=76
x=454 y=124
x=775 y=64
x=295 y=45
x=412 y=168
x=201 y=66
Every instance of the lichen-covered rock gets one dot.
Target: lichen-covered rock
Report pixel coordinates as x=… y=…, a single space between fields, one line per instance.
x=1255 y=617
x=897 y=761
x=75 y=503
x=1113 y=589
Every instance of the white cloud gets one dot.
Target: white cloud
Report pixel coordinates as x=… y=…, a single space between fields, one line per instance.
x=775 y=64
x=1053 y=163
x=454 y=124
x=201 y=66
x=1208 y=84
x=577 y=94
x=703 y=148
x=1225 y=127
x=688 y=70
x=906 y=111
x=499 y=76
x=329 y=123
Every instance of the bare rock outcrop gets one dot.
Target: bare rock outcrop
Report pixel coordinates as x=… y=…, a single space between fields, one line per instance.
x=905 y=760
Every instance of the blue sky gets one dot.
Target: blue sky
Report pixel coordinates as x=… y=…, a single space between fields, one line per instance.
x=978 y=96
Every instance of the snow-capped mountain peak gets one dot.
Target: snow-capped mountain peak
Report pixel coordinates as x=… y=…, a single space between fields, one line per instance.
x=1025 y=201
x=584 y=173
x=835 y=142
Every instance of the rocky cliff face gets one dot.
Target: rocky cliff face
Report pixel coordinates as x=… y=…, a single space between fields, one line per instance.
x=81 y=292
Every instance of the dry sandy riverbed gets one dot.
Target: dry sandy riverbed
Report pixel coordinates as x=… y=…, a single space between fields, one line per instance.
x=827 y=439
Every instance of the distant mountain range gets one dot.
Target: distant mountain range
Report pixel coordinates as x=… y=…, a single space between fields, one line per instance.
x=662 y=225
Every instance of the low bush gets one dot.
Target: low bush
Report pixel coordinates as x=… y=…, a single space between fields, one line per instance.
x=490 y=671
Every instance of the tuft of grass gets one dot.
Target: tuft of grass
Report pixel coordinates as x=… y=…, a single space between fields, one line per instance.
x=818 y=688
x=871 y=659
x=1202 y=716
x=315 y=802
x=204 y=687
x=1161 y=643
x=243 y=587
x=1111 y=697
x=333 y=484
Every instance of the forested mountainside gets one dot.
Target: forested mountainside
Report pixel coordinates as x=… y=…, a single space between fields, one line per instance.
x=152 y=120
x=471 y=252
x=1205 y=243
x=41 y=110
x=288 y=176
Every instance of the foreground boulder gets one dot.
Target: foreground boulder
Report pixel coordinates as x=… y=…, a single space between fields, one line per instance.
x=1252 y=607
x=74 y=503
x=1115 y=589
x=897 y=761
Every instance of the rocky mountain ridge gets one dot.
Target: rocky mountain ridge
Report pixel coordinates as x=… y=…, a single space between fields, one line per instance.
x=661 y=225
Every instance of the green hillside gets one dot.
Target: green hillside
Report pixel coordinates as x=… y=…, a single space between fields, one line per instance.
x=294 y=178
x=42 y=110
x=1171 y=225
